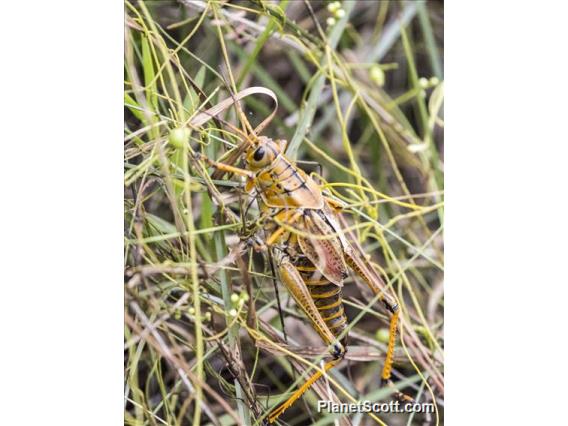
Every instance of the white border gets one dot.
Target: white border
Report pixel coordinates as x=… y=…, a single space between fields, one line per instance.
x=506 y=161
x=61 y=212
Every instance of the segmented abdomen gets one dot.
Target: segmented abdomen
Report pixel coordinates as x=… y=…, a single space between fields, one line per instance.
x=327 y=297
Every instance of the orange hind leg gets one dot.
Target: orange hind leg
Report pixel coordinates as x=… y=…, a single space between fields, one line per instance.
x=293 y=281
x=377 y=285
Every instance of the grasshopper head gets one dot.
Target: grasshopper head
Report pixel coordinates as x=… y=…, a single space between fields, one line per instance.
x=263 y=153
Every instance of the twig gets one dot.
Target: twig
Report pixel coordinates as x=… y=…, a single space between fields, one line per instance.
x=309 y=111
x=181 y=367
x=258 y=28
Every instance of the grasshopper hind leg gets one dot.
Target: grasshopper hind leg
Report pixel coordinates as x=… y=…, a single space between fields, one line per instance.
x=376 y=284
x=295 y=284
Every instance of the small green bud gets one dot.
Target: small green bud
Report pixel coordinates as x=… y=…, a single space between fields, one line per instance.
x=191 y=311
x=233 y=312
x=179 y=137
x=334 y=6
x=434 y=81
x=207 y=316
x=423 y=82
x=383 y=335
x=339 y=13
x=377 y=75
x=330 y=21
x=234 y=298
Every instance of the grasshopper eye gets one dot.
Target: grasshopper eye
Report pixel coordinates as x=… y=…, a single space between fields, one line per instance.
x=258 y=154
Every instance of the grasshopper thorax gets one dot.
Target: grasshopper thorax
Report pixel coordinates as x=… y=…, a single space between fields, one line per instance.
x=263 y=153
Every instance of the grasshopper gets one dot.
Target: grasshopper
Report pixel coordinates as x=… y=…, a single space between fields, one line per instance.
x=301 y=230
x=311 y=253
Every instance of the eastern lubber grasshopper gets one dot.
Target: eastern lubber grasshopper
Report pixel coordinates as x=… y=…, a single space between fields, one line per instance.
x=312 y=254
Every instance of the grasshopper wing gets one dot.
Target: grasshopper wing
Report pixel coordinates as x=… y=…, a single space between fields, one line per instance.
x=323 y=248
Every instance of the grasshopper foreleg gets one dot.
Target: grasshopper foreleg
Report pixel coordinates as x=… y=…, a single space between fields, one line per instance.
x=224 y=167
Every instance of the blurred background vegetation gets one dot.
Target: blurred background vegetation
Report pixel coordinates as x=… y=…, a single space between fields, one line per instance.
x=360 y=100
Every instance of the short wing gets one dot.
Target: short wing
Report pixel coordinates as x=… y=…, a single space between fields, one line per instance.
x=323 y=248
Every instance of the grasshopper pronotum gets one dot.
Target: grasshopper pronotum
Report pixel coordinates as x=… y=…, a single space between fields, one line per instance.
x=311 y=253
